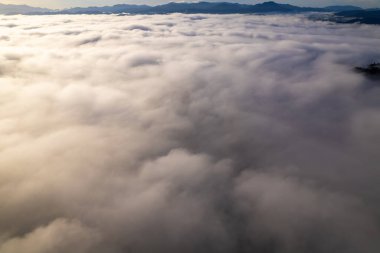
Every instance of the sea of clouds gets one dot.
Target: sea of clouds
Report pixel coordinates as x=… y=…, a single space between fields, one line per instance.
x=188 y=133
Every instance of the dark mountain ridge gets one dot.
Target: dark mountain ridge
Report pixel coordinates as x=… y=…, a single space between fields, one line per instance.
x=341 y=14
x=20 y=9
x=371 y=16
x=336 y=8
x=200 y=7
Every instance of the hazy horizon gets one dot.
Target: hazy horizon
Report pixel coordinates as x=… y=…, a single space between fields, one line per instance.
x=59 y=4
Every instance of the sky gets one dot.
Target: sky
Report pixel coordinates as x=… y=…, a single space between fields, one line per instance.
x=188 y=133
x=72 y=3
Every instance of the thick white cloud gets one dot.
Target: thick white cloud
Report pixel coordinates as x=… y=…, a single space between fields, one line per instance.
x=187 y=133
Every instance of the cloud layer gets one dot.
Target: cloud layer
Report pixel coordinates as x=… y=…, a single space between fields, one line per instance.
x=188 y=133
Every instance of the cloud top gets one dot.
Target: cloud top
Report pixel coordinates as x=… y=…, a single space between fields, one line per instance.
x=188 y=133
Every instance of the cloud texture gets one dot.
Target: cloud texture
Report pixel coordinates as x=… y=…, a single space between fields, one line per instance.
x=188 y=133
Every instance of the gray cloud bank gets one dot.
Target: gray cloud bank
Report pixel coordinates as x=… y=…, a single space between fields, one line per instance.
x=188 y=133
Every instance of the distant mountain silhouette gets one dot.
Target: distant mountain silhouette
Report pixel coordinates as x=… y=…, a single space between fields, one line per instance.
x=344 y=14
x=338 y=8
x=201 y=7
x=371 y=16
x=20 y=9
x=119 y=8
